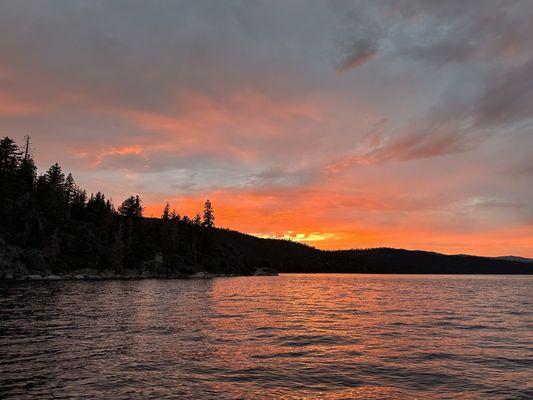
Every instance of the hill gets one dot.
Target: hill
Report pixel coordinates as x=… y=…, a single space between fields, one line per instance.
x=515 y=258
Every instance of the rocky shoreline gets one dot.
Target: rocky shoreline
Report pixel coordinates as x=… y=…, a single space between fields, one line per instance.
x=19 y=264
x=93 y=275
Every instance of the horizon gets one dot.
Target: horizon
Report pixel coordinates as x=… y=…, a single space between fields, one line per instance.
x=338 y=125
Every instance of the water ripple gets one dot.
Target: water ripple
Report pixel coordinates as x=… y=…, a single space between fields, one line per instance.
x=287 y=337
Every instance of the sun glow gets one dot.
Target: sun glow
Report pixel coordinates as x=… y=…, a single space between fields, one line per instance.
x=300 y=236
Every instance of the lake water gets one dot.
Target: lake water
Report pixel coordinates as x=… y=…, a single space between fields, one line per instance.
x=292 y=336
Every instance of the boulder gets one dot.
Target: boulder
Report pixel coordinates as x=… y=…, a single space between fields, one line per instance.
x=86 y=272
x=201 y=275
x=265 y=272
x=107 y=274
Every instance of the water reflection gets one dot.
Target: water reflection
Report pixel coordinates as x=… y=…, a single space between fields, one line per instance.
x=293 y=336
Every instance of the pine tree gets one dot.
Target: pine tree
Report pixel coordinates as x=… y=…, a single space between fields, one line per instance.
x=166 y=212
x=131 y=207
x=54 y=176
x=197 y=220
x=209 y=216
x=70 y=188
x=26 y=176
x=174 y=216
x=10 y=157
x=27 y=172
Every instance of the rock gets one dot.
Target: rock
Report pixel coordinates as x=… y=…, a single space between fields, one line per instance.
x=107 y=274
x=79 y=277
x=35 y=277
x=130 y=274
x=201 y=275
x=86 y=272
x=54 y=277
x=265 y=272
x=35 y=260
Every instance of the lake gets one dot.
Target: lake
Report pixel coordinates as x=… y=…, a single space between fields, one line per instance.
x=291 y=336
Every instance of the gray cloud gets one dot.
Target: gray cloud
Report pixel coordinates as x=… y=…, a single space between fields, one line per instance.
x=507 y=98
x=357 y=54
x=281 y=177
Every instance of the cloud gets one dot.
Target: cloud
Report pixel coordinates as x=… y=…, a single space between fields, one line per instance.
x=359 y=53
x=281 y=177
x=407 y=147
x=13 y=107
x=520 y=168
x=508 y=98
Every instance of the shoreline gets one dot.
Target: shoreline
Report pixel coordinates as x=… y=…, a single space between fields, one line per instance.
x=109 y=276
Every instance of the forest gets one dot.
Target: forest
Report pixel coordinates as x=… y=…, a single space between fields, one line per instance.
x=50 y=225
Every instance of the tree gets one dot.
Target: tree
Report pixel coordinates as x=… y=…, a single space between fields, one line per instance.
x=26 y=175
x=197 y=220
x=209 y=216
x=54 y=176
x=174 y=216
x=70 y=188
x=98 y=209
x=10 y=157
x=166 y=212
x=27 y=147
x=131 y=207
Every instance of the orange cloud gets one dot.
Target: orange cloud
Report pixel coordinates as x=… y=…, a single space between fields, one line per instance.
x=11 y=106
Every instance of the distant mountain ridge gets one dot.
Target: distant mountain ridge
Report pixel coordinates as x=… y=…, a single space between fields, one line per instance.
x=287 y=256
x=516 y=258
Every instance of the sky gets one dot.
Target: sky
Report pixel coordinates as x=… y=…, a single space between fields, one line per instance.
x=341 y=124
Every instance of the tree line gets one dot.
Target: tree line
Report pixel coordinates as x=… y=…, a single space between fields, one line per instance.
x=55 y=218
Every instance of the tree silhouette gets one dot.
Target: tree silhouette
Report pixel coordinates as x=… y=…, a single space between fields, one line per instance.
x=197 y=220
x=10 y=157
x=131 y=207
x=26 y=175
x=54 y=176
x=166 y=212
x=209 y=216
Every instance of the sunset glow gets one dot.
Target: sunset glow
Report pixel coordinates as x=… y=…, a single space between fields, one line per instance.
x=301 y=121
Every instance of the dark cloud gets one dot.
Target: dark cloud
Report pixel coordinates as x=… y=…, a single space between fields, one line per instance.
x=406 y=147
x=507 y=98
x=421 y=145
x=357 y=54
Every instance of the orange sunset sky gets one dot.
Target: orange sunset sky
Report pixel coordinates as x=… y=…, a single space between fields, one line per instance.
x=340 y=124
